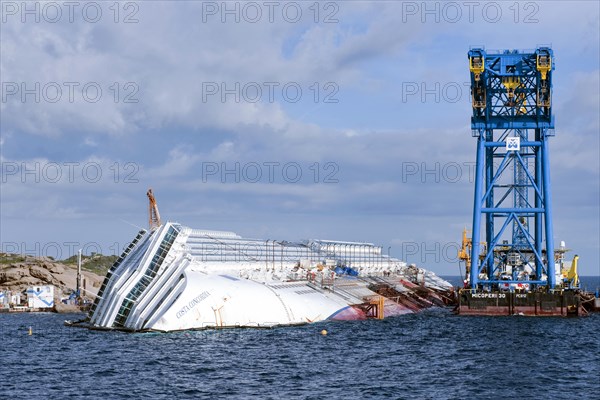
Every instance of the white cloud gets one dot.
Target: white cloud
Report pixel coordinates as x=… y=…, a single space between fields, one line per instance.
x=371 y=134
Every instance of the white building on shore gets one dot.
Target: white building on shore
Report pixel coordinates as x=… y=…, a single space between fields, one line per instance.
x=40 y=296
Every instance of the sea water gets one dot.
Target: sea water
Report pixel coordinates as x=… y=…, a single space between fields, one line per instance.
x=431 y=355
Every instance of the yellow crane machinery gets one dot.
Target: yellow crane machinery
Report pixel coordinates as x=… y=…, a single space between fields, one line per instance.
x=464 y=254
x=571 y=275
x=477 y=66
x=153 y=214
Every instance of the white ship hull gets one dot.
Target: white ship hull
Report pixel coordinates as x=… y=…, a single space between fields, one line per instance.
x=177 y=278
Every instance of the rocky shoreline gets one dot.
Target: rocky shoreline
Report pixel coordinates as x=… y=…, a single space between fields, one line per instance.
x=19 y=272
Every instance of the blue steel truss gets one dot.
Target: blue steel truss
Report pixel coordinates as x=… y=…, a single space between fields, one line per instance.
x=511 y=98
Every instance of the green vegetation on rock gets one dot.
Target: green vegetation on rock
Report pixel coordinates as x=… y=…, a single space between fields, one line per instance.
x=8 y=258
x=97 y=263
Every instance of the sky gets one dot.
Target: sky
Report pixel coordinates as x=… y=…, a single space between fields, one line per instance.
x=345 y=120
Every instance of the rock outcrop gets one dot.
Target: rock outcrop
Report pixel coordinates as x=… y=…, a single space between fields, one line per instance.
x=18 y=272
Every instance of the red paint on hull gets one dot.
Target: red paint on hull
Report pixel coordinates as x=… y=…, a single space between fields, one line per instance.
x=350 y=313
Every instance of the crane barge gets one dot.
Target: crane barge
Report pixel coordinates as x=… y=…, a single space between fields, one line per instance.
x=516 y=269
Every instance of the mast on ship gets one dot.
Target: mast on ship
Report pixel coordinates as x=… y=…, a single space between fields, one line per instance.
x=153 y=214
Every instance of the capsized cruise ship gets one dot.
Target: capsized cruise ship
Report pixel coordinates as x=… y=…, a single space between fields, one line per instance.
x=177 y=278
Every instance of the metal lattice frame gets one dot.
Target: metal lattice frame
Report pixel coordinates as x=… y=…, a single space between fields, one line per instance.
x=511 y=98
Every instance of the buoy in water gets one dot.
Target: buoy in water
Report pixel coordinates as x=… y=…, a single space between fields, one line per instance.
x=324 y=332
x=30 y=331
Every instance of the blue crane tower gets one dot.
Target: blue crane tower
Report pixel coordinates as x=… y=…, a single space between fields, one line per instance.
x=512 y=121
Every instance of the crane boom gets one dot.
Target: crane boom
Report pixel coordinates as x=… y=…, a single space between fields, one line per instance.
x=153 y=214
